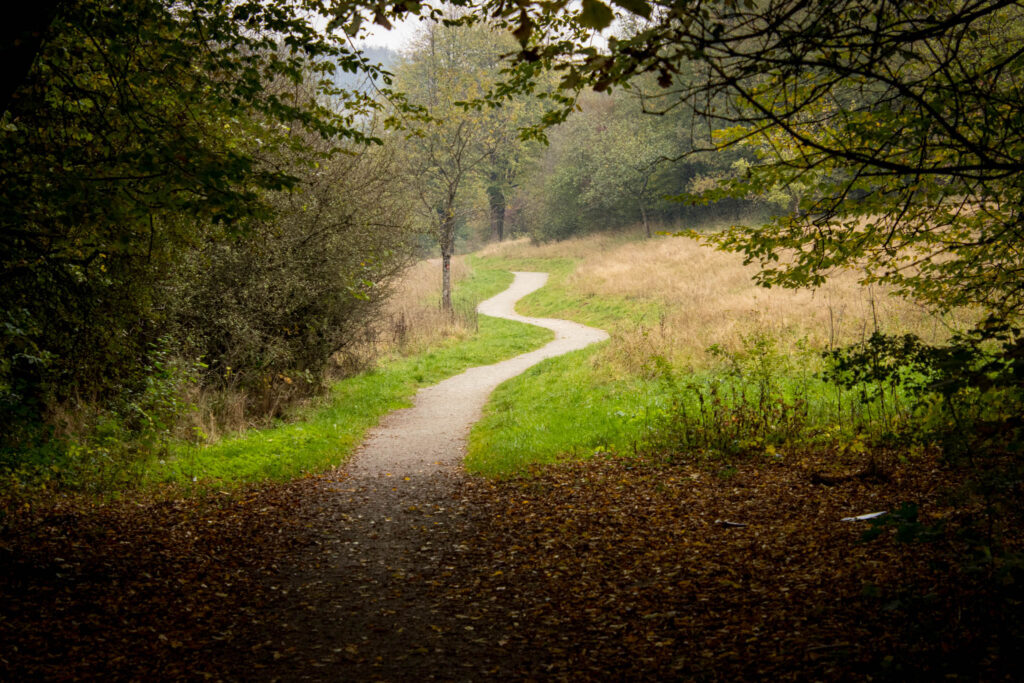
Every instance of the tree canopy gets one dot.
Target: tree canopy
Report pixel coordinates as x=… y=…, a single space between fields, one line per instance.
x=457 y=145
x=904 y=118
x=140 y=125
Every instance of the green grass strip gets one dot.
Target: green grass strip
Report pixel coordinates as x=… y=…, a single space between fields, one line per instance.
x=564 y=407
x=567 y=408
x=558 y=409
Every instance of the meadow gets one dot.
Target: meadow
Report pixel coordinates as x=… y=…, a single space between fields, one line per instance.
x=702 y=362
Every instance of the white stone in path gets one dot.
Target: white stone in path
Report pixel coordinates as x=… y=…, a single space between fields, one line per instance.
x=431 y=435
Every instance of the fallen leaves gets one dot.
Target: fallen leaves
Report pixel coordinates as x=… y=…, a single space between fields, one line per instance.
x=646 y=572
x=609 y=569
x=133 y=589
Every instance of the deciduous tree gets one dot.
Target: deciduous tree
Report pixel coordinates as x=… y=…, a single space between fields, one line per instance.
x=905 y=115
x=448 y=67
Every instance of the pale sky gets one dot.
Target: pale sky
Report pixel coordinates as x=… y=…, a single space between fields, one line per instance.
x=397 y=38
x=401 y=34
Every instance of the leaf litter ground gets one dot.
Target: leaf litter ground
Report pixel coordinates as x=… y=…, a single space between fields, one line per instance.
x=606 y=569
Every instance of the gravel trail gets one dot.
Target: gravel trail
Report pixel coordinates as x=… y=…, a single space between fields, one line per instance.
x=432 y=434
x=367 y=601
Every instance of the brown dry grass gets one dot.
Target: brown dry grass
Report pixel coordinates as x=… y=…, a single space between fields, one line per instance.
x=217 y=413
x=412 y=319
x=707 y=297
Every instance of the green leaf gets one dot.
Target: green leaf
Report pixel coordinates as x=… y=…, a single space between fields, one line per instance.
x=596 y=15
x=638 y=7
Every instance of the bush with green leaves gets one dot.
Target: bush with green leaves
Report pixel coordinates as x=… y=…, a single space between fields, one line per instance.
x=268 y=312
x=966 y=396
x=754 y=402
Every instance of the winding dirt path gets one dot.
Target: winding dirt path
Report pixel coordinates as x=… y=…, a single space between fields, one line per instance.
x=371 y=599
x=432 y=434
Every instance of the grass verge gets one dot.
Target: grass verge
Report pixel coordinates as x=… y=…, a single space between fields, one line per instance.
x=559 y=409
x=566 y=407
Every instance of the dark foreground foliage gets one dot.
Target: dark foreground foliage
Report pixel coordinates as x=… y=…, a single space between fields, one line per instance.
x=187 y=209
x=609 y=569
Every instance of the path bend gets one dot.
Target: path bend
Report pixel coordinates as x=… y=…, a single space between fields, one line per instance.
x=432 y=434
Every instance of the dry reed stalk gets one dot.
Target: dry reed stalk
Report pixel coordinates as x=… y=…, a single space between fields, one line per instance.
x=218 y=413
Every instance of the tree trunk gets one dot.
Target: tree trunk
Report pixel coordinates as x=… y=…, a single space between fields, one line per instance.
x=447 y=241
x=497 y=199
x=643 y=215
x=446 y=281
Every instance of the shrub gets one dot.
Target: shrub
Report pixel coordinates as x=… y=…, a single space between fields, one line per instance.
x=269 y=312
